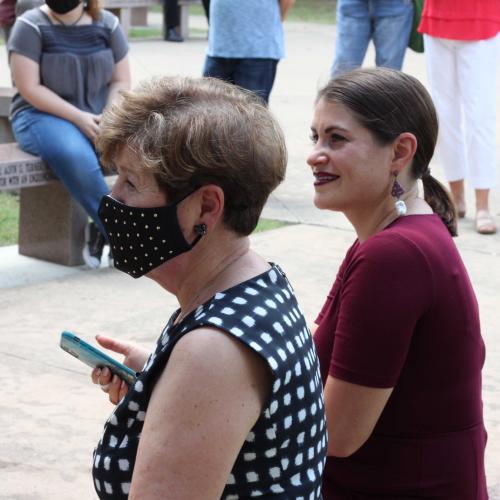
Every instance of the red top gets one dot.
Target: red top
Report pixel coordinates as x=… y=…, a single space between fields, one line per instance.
x=7 y=12
x=402 y=313
x=461 y=19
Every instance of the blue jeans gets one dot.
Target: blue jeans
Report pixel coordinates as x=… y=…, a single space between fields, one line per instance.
x=69 y=154
x=252 y=74
x=387 y=22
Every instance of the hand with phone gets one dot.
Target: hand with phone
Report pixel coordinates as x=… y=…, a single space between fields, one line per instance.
x=135 y=357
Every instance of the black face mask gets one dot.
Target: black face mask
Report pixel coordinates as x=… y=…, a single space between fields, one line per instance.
x=62 y=6
x=143 y=238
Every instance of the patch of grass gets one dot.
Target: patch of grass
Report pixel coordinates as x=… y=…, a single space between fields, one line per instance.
x=152 y=33
x=269 y=224
x=9 y=218
x=194 y=10
x=144 y=32
x=313 y=11
x=197 y=10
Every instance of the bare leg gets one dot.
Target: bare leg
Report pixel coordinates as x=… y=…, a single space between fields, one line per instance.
x=482 y=199
x=458 y=196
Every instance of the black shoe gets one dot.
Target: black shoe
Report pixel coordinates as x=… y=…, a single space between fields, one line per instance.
x=173 y=36
x=94 y=244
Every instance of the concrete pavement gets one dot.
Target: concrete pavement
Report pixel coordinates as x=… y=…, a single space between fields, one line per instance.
x=52 y=416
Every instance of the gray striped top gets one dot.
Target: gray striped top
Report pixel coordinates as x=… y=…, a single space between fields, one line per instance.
x=76 y=62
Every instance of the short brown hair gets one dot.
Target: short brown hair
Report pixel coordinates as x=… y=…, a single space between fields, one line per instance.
x=195 y=131
x=389 y=102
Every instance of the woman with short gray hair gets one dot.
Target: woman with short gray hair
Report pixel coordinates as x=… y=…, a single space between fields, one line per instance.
x=229 y=404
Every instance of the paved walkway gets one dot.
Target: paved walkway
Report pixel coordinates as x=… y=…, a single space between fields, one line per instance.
x=52 y=416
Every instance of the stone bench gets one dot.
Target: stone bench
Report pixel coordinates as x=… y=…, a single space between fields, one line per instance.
x=51 y=224
x=184 y=6
x=130 y=12
x=134 y=12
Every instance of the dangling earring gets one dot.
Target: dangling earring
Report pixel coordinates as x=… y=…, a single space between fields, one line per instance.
x=396 y=192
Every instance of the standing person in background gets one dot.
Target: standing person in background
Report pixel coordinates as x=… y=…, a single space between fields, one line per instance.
x=171 y=21
x=387 y=22
x=7 y=17
x=206 y=8
x=462 y=53
x=398 y=338
x=68 y=61
x=246 y=42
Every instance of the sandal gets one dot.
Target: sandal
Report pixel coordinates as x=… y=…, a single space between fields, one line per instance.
x=485 y=223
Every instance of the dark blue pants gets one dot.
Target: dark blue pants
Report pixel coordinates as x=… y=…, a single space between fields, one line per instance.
x=387 y=22
x=252 y=74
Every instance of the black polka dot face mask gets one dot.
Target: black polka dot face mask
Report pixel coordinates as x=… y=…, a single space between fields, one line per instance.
x=143 y=238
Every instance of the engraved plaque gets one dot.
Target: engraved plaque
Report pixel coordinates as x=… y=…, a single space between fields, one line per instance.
x=19 y=174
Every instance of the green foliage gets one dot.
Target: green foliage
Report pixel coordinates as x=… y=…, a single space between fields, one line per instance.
x=9 y=218
x=150 y=32
x=313 y=11
x=269 y=224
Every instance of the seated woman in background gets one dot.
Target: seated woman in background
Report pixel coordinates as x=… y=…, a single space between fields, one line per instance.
x=68 y=61
x=229 y=404
x=398 y=337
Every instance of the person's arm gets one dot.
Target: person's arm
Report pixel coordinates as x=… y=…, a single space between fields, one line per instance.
x=351 y=413
x=26 y=75
x=285 y=6
x=120 y=80
x=385 y=288
x=207 y=399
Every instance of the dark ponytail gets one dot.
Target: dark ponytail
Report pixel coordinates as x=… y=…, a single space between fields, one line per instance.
x=388 y=102
x=436 y=195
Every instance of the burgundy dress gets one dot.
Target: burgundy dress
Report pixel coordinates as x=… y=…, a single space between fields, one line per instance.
x=402 y=313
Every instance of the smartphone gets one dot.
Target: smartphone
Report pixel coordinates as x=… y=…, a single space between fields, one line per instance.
x=94 y=357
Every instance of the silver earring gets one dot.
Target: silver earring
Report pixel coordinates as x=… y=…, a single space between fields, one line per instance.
x=399 y=205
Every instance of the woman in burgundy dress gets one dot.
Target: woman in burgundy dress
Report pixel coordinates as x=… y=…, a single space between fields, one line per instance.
x=398 y=337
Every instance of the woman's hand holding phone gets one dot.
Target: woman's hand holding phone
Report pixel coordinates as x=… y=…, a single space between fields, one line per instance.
x=135 y=357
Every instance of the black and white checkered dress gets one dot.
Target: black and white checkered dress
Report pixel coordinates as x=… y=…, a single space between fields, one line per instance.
x=284 y=454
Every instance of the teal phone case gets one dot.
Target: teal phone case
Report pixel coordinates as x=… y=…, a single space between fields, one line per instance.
x=94 y=357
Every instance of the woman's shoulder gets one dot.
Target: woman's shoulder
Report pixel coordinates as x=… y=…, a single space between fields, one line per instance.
x=412 y=232
x=261 y=312
x=34 y=17
x=108 y=20
x=410 y=239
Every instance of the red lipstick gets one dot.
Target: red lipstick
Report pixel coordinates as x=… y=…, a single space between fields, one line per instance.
x=321 y=178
